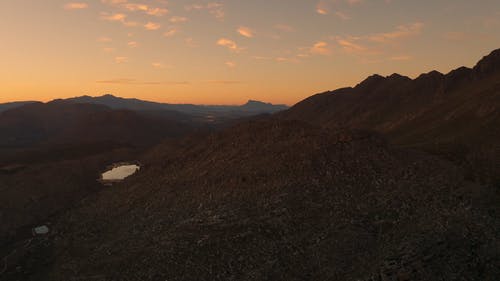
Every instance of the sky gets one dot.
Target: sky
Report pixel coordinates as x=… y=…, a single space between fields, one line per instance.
x=229 y=51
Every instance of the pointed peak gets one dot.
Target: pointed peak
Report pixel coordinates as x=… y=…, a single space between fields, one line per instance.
x=397 y=76
x=109 y=96
x=430 y=75
x=371 y=81
x=489 y=63
x=255 y=102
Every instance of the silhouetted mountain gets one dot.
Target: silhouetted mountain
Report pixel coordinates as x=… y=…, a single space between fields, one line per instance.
x=10 y=105
x=61 y=122
x=274 y=200
x=250 y=108
x=457 y=114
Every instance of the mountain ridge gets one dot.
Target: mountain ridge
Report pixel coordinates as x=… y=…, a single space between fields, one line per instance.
x=457 y=113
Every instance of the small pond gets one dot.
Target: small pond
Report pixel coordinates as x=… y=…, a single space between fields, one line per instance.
x=119 y=172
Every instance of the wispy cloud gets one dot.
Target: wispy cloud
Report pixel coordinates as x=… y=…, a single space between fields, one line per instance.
x=121 y=60
x=129 y=81
x=322 y=8
x=321 y=48
x=246 y=32
x=284 y=27
x=402 y=31
x=137 y=7
x=228 y=43
x=214 y=8
x=118 y=17
x=104 y=39
x=342 y=15
x=401 y=58
x=152 y=26
x=223 y=82
x=160 y=65
x=190 y=42
x=177 y=19
x=171 y=32
x=133 y=44
x=158 y=12
x=230 y=64
x=350 y=45
x=76 y=6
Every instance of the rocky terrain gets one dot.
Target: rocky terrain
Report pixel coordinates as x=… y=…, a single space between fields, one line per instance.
x=270 y=200
x=394 y=179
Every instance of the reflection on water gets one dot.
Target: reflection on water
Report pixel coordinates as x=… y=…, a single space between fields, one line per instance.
x=120 y=172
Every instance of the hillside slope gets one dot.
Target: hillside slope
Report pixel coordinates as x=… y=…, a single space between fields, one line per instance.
x=272 y=200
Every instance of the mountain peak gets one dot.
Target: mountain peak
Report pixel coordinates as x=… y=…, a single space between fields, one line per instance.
x=488 y=64
x=371 y=81
x=255 y=102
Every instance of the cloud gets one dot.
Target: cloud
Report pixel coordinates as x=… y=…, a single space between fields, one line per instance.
x=246 y=32
x=228 y=43
x=223 y=82
x=104 y=39
x=402 y=31
x=320 y=48
x=284 y=27
x=158 y=12
x=178 y=19
x=350 y=46
x=217 y=10
x=190 y=42
x=128 y=81
x=117 y=17
x=120 y=60
x=171 y=32
x=214 y=8
x=322 y=8
x=152 y=26
x=230 y=64
x=113 y=17
x=342 y=15
x=137 y=7
x=76 y=6
x=401 y=58
x=133 y=44
x=108 y=50
x=159 y=65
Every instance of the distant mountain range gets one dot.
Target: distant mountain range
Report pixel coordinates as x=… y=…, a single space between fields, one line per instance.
x=252 y=107
x=11 y=105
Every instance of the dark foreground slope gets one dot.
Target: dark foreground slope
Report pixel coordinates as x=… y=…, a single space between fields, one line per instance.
x=273 y=200
x=456 y=115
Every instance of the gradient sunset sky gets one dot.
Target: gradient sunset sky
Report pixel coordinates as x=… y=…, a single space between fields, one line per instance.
x=229 y=51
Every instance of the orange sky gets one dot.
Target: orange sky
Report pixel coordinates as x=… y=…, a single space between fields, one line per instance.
x=226 y=52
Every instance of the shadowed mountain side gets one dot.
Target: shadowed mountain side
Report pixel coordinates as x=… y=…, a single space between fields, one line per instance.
x=59 y=122
x=10 y=105
x=271 y=200
x=456 y=115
